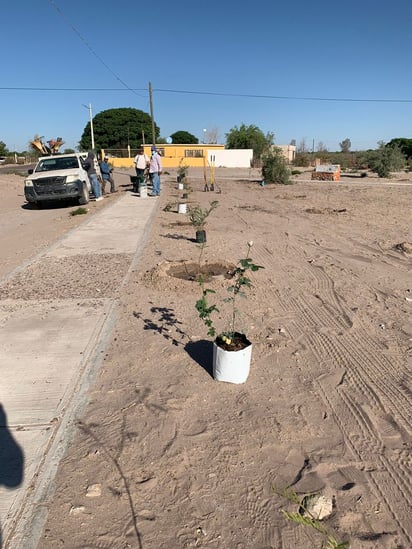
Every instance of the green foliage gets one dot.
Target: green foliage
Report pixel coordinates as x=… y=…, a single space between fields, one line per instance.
x=249 y=137
x=182 y=137
x=386 y=160
x=3 y=149
x=240 y=282
x=79 y=211
x=404 y=144
x=274 y=169
x=68 y=151
x=205 y=310
x=182 y=170
x=118 y=128
x=198 y=215
x=169 y=206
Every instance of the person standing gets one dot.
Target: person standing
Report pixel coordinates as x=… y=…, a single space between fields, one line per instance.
x=106 y=171
x=90 y=168
x=155 y=171
x=141 y=161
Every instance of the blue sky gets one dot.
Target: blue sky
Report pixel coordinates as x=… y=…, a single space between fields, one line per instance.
x=227 y=55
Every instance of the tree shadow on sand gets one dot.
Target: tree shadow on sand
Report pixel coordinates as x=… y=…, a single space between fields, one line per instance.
x=164 y=322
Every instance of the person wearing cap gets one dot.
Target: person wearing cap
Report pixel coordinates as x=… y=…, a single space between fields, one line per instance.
x=90 y=166
x=155 y=171
x=106 y=171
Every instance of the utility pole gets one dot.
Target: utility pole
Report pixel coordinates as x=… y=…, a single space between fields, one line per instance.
x=151 y=113
x=313 y=151
x=91 y=122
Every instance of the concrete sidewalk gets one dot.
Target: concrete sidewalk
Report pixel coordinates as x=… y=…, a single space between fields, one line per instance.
x=51 y=350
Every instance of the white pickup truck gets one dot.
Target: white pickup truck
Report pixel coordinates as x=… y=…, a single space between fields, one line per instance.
x=58 y=177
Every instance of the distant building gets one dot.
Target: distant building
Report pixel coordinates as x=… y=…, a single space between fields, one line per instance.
x=195 y=156
x=288 y=151
x=192 y=156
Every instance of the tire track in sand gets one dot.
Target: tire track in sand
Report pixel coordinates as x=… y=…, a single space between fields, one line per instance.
x=371 y=406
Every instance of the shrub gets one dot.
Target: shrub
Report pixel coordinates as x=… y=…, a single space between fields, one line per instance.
x=198 y=215
x=79 y=211
x=182 y=171
x=274 y=169
x=386 y=160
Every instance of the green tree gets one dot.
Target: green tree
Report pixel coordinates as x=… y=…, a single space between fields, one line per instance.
x=118 y=128
x=3 y=149
x=249 y=137
x=345 y=145
x=404 y=144
x=182 y=137
x=385 y=160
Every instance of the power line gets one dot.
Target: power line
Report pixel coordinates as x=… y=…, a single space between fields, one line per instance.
x=88 y=46
x=288 y=97
x=28 y=88
x=221 y=94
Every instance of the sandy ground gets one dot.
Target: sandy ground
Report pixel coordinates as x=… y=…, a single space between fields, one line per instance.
x=166 y=457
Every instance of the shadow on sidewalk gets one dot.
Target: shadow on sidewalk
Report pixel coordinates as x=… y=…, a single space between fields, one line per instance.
x=11 y=458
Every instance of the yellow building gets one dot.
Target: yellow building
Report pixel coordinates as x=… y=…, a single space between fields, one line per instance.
x=173 y=156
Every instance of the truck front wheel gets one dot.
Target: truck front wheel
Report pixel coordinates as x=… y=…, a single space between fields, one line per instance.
x=84 y=198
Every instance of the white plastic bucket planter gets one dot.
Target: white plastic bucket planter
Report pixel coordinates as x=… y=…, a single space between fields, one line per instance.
x=180 y=186
x=231 y=366
x=182 y=208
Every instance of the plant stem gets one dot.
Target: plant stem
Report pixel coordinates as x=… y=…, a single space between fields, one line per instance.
x=202 y=248
x=240 y=271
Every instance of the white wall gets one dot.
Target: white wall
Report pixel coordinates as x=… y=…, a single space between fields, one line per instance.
x=231 y=158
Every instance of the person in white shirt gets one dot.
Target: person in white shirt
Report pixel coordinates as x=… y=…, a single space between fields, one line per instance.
x=141 y=161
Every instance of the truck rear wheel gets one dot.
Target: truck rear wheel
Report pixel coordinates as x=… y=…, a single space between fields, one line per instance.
x=84 y=198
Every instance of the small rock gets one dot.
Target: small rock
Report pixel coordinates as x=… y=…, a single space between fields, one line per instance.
x=77 y=510
x=94 y=491
x=319 y=507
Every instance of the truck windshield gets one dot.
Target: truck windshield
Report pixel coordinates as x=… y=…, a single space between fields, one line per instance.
x=56 y=163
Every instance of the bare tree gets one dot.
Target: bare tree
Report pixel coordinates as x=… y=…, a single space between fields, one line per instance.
x=302 y=148
x=321 y=147
x=212 y=135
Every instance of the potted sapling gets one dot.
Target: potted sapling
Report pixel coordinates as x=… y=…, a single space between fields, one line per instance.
x=198 y=216
x=182 y=175
x=232 y=350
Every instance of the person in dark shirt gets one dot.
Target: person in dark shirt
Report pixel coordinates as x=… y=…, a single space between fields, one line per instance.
x=106 y=171
x=90 y=168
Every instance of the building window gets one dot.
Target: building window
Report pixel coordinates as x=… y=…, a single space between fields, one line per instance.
x=194 y=153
